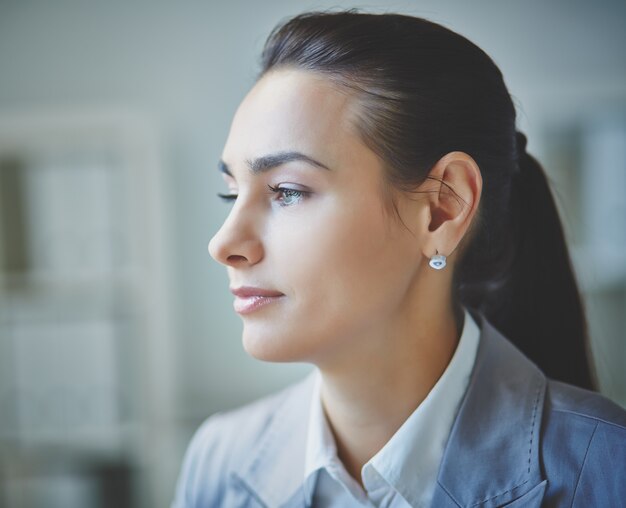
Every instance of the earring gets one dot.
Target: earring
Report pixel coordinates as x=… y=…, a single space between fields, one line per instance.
x=438 y=261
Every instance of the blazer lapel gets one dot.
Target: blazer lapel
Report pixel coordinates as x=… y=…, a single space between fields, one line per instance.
x=273 y=475
x=492 y=455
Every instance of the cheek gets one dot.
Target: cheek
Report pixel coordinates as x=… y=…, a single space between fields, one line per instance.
x=370 y=269
x=343 y=273
x=343 y=265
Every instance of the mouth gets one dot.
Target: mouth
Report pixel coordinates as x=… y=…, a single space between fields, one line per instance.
x=249 y=304
x=250 y=299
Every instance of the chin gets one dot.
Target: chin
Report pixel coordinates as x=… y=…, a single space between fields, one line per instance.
x=271 y=347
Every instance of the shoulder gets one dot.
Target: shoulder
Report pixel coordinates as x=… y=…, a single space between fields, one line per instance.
x=580 y=404
x=222 y=444
x=584 y=444
x=582 y=418
x=576 y=415
x=238 y=427
x=535 y=428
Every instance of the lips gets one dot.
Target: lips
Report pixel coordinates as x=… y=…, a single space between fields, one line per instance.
x=249 y=291
x=250 y=299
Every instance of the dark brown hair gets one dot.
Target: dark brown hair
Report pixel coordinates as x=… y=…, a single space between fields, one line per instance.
x=425 y=91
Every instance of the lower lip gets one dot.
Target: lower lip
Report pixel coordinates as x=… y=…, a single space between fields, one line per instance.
x=252 y=303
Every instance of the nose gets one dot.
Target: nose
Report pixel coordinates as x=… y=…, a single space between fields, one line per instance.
x=237 y=242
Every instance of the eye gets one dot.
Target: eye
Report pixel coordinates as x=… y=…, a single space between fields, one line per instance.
x=227 y=197
x=288 y=196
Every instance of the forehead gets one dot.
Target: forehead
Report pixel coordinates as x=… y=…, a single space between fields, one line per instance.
x=292 y=110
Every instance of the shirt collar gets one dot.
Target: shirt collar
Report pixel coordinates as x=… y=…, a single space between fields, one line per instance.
x=409 y=461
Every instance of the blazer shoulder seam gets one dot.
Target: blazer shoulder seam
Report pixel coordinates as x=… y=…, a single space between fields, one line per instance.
x=596 y=419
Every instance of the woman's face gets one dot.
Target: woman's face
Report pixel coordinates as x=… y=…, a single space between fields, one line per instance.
x=322 y=238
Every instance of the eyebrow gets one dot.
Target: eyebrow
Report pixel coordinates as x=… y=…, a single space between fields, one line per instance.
x=268 y=162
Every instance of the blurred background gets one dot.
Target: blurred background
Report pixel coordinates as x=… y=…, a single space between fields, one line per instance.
x=117 y=334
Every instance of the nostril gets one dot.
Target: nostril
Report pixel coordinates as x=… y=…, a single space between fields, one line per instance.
x=235 y=258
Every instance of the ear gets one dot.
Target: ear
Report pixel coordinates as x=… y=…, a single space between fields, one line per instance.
x=454 y=190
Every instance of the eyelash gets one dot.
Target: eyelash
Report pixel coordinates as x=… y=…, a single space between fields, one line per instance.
x=293 y=192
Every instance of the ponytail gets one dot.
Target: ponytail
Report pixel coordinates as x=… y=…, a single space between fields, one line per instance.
x=542 y=311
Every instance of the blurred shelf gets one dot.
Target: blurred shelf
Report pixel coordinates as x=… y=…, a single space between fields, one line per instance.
x=111 y=440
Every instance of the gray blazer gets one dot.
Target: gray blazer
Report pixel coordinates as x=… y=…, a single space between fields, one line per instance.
x=518 y=440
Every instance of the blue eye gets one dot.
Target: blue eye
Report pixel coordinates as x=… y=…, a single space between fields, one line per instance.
x=288 y=196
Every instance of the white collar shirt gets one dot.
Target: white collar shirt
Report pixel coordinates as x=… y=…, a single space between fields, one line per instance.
x=403 y=473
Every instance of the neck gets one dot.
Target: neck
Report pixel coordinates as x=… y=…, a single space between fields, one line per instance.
x=406 y=361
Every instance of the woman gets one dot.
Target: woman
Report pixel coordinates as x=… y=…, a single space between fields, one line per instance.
x=389 y=227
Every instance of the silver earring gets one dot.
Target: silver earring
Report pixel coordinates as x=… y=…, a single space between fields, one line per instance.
x=438 y=261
